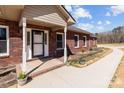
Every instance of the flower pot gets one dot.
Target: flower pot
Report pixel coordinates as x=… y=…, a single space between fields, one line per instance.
x=22 y=82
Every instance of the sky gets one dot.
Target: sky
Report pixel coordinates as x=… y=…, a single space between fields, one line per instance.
x=97 y=18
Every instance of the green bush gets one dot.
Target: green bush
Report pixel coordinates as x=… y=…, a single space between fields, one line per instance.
x=22 y=75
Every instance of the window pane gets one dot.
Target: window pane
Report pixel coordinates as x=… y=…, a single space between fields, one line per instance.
x=3 y=46
x=37 y=33
x=59 y=44
x=45 y=38
x=75 y=41
x=59 y=37
x=28 y=38
x=84 y=40
x=59 y=41
x=2 y=33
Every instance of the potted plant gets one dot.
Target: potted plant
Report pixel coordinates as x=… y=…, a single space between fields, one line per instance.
x=22 y=79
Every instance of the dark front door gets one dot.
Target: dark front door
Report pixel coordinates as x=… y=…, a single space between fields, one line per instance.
x=38 y=43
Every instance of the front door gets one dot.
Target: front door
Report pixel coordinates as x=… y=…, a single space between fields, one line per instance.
x=38 y=43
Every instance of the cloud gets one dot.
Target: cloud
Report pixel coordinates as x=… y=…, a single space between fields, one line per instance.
x=85 y=26
x=78 y=11
x=108 y=22
x=81 y=12
x=99 y=22
x=108 y=14
x=69 y=8
x=115 y=10
x=101 y=28
x=90 y=27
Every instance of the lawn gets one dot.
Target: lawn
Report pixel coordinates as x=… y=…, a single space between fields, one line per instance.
x=90 y=57
x=118 y=78
x=113 y=44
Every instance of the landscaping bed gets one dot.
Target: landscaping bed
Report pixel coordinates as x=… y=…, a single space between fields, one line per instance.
x=87 y=58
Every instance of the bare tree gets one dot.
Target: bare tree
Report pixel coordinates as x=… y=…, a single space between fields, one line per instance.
x=114 y=36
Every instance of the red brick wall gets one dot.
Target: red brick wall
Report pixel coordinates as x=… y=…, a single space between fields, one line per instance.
x=92 y=42
x=15 y=43
x=52 y=43
x=70 y=42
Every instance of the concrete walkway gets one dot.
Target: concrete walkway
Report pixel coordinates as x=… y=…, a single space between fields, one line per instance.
x=96 y=75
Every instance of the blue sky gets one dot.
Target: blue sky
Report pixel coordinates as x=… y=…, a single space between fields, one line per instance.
x=97 y=18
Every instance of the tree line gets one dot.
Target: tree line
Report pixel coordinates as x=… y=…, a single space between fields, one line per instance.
x=114 y=36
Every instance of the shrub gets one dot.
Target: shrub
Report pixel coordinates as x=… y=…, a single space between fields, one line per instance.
x=22 y=75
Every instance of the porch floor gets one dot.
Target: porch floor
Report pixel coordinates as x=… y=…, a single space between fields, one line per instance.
x=39 y=66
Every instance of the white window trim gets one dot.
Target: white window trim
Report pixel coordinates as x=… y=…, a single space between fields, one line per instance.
x=7 y=33
x=62 y=41
x=77 y=42
x=85 y=41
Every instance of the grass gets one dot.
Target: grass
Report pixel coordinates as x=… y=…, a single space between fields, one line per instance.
x=111 y=44
x=118 y=76
x=90 y=58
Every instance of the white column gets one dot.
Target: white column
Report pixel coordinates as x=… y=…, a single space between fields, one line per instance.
x=24 y=45
x=65 y=45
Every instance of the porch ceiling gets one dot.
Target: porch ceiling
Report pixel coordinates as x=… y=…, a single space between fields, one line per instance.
x=52 y=16
x=45 y=24
x=11 y=12
x=46 y=14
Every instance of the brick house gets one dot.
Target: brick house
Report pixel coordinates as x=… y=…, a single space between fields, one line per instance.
x=33 y=31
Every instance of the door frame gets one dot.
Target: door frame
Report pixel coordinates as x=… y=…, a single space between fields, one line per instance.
x=29 y=46
x=33 y=43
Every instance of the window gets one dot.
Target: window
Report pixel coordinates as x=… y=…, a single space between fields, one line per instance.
x=28 y=38
x=45 y=38
x=76 y=41
x=85 y=41
x=37 y=33
x=4 y=41
x=59 y=40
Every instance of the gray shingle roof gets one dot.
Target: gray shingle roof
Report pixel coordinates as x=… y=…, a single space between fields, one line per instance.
x=76 y=29
x=73 y=28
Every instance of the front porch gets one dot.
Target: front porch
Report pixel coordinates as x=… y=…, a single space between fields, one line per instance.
x=37 y=27
x=40 y=66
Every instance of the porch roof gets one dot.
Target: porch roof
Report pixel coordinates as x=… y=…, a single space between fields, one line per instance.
x=48 y=15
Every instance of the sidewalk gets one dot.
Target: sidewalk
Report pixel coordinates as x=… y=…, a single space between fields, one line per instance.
x=96 y=75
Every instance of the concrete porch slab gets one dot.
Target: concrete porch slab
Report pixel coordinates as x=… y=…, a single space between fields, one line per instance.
x=40 y=66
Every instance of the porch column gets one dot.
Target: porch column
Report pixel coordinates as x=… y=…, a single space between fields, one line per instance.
x=65 y=45
x=24 y=45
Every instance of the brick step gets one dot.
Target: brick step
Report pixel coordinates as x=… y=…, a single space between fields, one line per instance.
x=32 y=75
x=8 y=80
x=5 y=70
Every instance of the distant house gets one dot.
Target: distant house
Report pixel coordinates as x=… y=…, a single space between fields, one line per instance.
x=29 y=31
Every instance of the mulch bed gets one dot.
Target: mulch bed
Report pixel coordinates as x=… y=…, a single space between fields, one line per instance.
x=87 y=58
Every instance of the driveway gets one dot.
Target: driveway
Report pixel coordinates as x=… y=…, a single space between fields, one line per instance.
x=97 y=75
